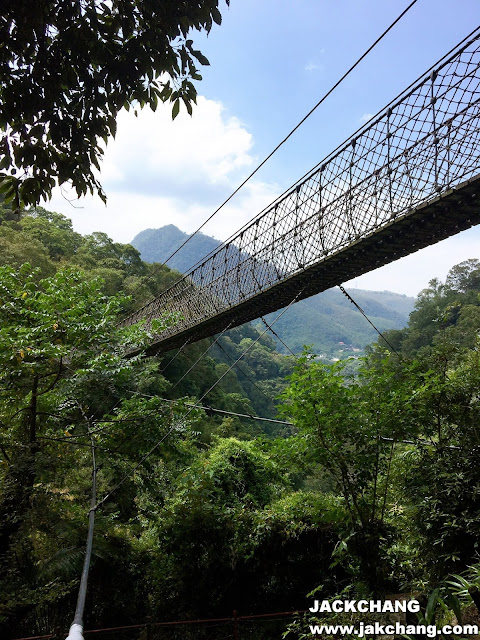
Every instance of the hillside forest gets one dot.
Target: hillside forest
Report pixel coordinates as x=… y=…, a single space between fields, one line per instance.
x=365 y=481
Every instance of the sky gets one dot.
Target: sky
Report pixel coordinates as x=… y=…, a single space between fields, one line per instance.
x=270 y=62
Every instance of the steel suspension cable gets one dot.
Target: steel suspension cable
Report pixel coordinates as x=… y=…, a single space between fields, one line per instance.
x=163 y=369
x=278 y=337
x=383 y=438
x=244 y=373
x=201 y=356
x=355 y=304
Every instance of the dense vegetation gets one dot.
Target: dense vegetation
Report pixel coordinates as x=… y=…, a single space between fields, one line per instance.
x=372 y=489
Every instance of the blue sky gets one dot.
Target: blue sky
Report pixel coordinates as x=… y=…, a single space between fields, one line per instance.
x=271 y=61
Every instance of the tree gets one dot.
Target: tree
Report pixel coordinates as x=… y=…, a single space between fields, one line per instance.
x=66 y=70
x=231 y=528
x=351 y=427
x=444 y=478
x=465 y=276
x=62 y=369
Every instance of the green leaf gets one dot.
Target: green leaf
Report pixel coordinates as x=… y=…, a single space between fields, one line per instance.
x=187 y=104
x=201 y=58
x=216 y=15
x=431 y=605
x=175 y=109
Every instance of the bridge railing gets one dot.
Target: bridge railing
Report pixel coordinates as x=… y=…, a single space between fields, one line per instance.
x=422 y=144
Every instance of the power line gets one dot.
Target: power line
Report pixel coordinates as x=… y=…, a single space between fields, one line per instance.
x=208 y=409
x=283 y=141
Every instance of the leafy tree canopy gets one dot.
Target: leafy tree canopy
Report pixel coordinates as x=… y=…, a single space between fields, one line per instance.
x=66 y=70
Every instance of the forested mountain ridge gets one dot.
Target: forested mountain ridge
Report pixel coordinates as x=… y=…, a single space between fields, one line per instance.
x=328 y=322
x=155 y=245
x=334 y=327
x=368 y=486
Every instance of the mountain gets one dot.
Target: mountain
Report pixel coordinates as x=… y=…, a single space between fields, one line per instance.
x=155 y=245
x=328 y=321
x=334 y=327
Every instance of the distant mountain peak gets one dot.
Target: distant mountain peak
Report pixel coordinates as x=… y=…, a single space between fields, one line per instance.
x=156 y=245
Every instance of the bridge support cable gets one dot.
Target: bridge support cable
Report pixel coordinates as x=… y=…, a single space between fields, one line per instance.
x=200 y=357
x=415 y=180
x=355 y=304
x=282 y=142
x=393 y=441
x=349 y=297
x=251 y=380
x=278 y=337
x=179 y=351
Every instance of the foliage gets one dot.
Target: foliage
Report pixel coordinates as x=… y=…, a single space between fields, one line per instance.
x=46 y=240
x=444 y=478
x=62 y=364
x=374 y=486
x=441 y=483
x=299 y=628
x=350 y=425
x=231 y=523
x=449 y=309
x=66 y=70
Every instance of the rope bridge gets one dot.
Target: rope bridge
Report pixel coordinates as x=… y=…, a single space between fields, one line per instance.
x=407 y=179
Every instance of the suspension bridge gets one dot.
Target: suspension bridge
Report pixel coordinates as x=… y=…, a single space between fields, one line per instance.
x=407 y=179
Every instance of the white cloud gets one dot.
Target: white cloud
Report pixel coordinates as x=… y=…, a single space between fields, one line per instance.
x=314 y=66
x=129 y=213
x=158 y=171
x=206 y=146
x=311 y=66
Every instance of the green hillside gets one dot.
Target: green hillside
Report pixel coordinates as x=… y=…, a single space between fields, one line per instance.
x=334 y=327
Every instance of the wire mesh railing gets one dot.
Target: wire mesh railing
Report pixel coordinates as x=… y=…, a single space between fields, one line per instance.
x=423 y=144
